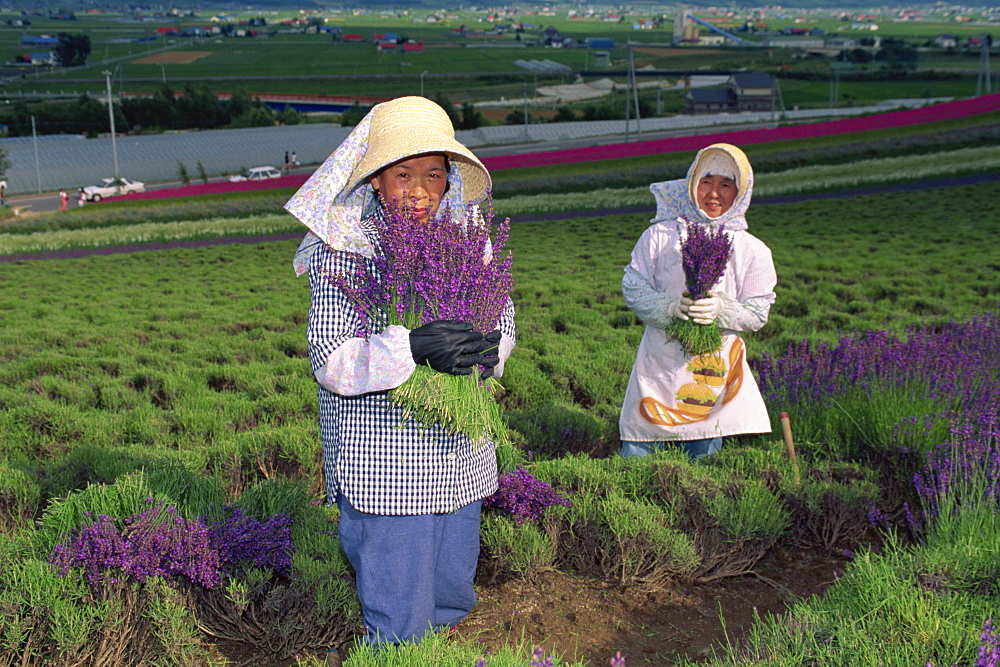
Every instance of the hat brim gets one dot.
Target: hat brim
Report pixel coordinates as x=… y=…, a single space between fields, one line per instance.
x=409 y=126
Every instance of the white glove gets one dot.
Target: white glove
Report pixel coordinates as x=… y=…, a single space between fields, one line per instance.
x=678 y=308
x=704 y=311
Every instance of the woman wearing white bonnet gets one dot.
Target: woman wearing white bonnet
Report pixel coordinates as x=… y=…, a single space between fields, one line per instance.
x=409 y=493
x=694 y=402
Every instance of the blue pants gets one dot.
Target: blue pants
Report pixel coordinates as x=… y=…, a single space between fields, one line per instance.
x=696 y=449
x=414 y=574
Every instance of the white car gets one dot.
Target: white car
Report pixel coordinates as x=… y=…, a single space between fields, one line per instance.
x=109 y=187
x=256 y=174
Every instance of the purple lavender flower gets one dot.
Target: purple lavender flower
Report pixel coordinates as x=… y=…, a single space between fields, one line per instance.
x=538 y=661
x=877 y=517
x=155 y=543
x=523 y=496
x=989 y=650
x=160 y=543
x=442 y=268
x=266 y=544
x=705 y=251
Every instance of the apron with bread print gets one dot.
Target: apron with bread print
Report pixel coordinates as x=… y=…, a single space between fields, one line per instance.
x=715 y=380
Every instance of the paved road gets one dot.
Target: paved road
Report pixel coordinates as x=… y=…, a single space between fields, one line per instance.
x=48 y=202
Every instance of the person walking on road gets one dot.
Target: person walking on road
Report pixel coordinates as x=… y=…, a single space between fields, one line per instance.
x=63 y=199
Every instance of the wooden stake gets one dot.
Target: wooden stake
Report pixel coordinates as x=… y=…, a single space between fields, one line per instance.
x=786 y=431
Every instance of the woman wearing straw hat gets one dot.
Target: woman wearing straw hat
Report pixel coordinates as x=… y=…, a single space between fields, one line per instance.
x=409 y=494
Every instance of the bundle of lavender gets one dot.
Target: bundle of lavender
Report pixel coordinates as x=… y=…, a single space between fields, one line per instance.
x=705 y=251
x=444 y=268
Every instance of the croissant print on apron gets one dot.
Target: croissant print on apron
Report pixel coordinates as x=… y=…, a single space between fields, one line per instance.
x=716 y=379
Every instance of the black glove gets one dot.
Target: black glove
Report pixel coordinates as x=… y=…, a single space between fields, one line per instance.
x=491 y=356
x=449 y=346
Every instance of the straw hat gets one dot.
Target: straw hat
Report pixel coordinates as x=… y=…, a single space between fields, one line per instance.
x=408 y=126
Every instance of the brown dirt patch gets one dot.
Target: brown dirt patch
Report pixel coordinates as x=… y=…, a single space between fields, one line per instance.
x=172 y=58
x=588 y=620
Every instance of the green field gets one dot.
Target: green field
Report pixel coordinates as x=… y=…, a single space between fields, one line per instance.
x=181 y=375
x=284 y=62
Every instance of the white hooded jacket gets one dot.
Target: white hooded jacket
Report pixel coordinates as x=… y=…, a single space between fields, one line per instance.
x=671 y=395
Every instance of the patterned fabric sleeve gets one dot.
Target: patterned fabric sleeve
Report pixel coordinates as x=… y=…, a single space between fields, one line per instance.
x=650 y=306
x=756 y=278
x=508 y=339
x=342 y=361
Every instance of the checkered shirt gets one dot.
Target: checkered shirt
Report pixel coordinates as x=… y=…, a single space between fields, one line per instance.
x=381 y=463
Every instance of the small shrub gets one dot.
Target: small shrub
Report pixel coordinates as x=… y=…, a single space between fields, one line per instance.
x=202 y=174
x=829 y=509
x=625 y=541
x=510 y=549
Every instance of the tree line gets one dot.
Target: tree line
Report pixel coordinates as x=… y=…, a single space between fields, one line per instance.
x=196 y=108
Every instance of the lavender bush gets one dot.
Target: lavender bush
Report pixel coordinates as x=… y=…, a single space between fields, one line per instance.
x=160 y=543
x=891 y=391
x=523 y=496
x=155 y=543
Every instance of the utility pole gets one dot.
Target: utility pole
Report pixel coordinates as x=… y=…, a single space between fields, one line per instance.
x=635 y=93
x=111 y=119
x=38 y=172
x=628 y=100
x=983 y=79
x=631 y=86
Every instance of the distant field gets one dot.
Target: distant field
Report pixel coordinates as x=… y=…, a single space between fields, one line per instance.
x=471 y=68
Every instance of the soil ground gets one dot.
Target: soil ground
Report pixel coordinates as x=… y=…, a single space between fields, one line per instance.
x=587 y=620
x=591 y=621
